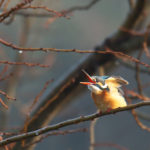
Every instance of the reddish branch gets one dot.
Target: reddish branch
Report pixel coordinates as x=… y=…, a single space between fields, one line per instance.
x=19 y=6
x=39 y=95
x=3 y=104
x=108 y=51
x=145 y=43
x=8 y=97
x=4 y=70
x=6 y=77
x=139 y=96
x=137 y=74
x=135 y=115
x=132 y=32
x=140 y=124
x=62 y=13
x=122 y=55
x=24 y=63
x=58 y=14
x=3 y=93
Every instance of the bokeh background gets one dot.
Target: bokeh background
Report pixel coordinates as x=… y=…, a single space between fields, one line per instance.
x=84 y=30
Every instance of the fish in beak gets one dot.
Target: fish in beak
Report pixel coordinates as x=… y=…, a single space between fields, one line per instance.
x=89 y=78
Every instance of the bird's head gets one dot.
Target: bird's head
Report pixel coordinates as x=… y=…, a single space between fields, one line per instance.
x=96 y=84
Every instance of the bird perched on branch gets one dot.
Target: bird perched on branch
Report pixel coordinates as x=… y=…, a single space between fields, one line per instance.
x=106 y=92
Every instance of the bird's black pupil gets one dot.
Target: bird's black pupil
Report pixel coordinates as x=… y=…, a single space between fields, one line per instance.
x=100 y=80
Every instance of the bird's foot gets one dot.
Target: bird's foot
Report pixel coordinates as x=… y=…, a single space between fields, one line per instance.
x=109 y=109
x=99 y=112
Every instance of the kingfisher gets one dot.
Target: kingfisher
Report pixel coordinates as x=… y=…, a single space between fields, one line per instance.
x=106 y=91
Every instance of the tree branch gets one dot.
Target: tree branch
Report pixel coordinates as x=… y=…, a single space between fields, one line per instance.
x=65 y=12
x=67 y=123
x=6 y=14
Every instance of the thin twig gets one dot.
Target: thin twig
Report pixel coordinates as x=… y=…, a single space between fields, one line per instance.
x=25 y=64
x=140 y=124
x=63 y=12
x=139 y=96
x=135 y=115
x=145 y=43
x=58 y=14
x=6 y=14
x=3 y=104
x=8 y=97
x=6 y=77
x=79 y=8
x=132 y=32
x=4 y=70
x=112 y=145
x=132 y=67
x=39 y=95
x=137 y=74
x=56 y=133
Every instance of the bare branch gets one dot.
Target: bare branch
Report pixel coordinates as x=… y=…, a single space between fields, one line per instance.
x=39 y=95
x=137 y=74
x=86 y=7
x=58 y=14
x=8 y=97
x=3 y=104
x=6 y=14
x=63 y=12
x=108 y=51
x=6 y=77
x=140 y=124
x=57 y=133
x=67 y=123
x=25 y=64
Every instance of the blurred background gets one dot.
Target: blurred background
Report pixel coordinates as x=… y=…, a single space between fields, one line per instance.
x=84 y=29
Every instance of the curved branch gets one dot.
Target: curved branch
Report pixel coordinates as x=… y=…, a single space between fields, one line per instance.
x=65 y=12
x=67 y=123
x=6 y=14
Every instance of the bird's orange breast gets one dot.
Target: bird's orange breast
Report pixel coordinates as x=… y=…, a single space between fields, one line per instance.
x=108 y=100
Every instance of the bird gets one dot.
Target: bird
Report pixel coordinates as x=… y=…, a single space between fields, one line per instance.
x=106 y=91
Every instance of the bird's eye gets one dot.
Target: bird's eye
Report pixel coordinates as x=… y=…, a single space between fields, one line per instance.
x=100 y=80
x=97 y=80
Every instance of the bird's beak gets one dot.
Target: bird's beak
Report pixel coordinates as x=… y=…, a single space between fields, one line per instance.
x=89 y=78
